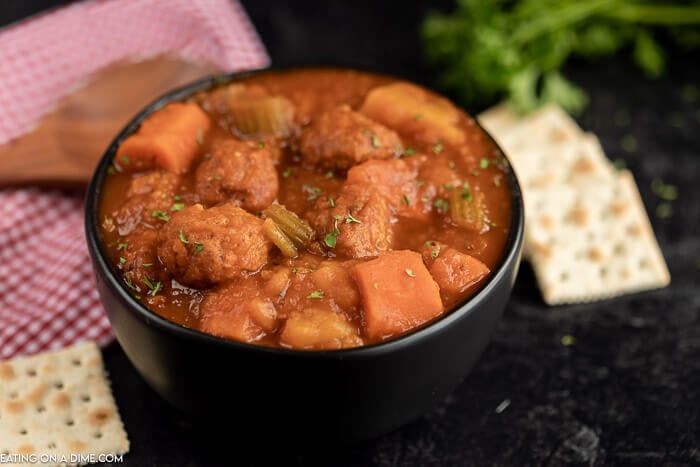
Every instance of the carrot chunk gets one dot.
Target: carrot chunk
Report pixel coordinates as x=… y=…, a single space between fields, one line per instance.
x=169 y=139
x=455 y=271
x=397 y=293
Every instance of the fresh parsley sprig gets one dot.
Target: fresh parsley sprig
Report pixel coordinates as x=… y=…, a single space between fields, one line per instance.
x=490 y=49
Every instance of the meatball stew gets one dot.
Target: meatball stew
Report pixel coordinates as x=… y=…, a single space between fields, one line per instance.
x=310 y=209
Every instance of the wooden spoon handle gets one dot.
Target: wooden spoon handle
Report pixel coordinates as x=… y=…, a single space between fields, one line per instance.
x=67 y=143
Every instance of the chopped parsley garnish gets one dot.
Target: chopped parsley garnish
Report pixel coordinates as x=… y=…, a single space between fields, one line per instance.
x=497 y=181
x=125 y=159
x=484 y=163
x=663 y=190
x=619 y=164
x=375 y=142
x=160 y=215
x=466 y=193
x=441 y=205
x=153 y=288
x=451 y=165
x=217 y=177
x=129 y=284
x=493 y=224
x=428 y=243
x=437 y=149
x=294 y=270
x=198 y=247
x=410 y=273
x=182 y=237
x=447 y=187
x=628 y=143
x=122 y=260
x=332 y=238
x=147 y=265
x=406 y=200
x=425 y=199
x=376 y=285
x=329 y=174
x=418 y=117
x=419 y=183
x=568 y=340
x=314 y=191
x=177 y=197
x=122 y=246
x=178 y=207
x=409 y=151
x=350 y=219
x=200 y=135
x=287 y=172
x=261 y=144
x=331 y=202
x=434 y=254
x=315 y=294
x=111 y=170
x=664 y=211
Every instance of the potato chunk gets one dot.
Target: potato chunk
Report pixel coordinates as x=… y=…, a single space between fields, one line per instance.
x=319 y=329
x=411 y=110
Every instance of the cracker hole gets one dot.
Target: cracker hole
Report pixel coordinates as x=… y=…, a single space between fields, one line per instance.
x=590 y=235
x=23 y=432
x=31 y=372
x=58 y=385
x=41 y=409
x=85 y=398
x=619 y=249
x=603 y=272
x=564 y=276
x=51 y=446
x=643 y=263
x=70 y=422
x=13 y=395
x=77 y=362
x=98 y=435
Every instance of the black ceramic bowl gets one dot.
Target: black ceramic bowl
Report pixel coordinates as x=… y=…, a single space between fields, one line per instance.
x=341 y=395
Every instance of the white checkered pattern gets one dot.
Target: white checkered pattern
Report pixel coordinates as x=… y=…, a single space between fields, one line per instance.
x=47 y=290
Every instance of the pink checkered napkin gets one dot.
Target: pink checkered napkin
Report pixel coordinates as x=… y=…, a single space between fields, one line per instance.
x=47 y=289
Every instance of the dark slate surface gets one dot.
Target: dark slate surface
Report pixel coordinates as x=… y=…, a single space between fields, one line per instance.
x=626 y=393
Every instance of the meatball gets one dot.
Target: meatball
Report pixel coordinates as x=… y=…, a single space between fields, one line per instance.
x=359 y=222
x=240 y=172
x=341 y=138
x=139 y=262
x=201 y=246
x=149 y=200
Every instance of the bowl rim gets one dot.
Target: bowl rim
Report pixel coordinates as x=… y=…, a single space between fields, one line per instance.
x=510 y=254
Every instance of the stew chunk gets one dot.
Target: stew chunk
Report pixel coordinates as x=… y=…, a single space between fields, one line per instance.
x=341 y=138
x=455 y=272
x=397 y=293
x=169 y=138
x=413 y=111
x=241 y=172
x=201 y=247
